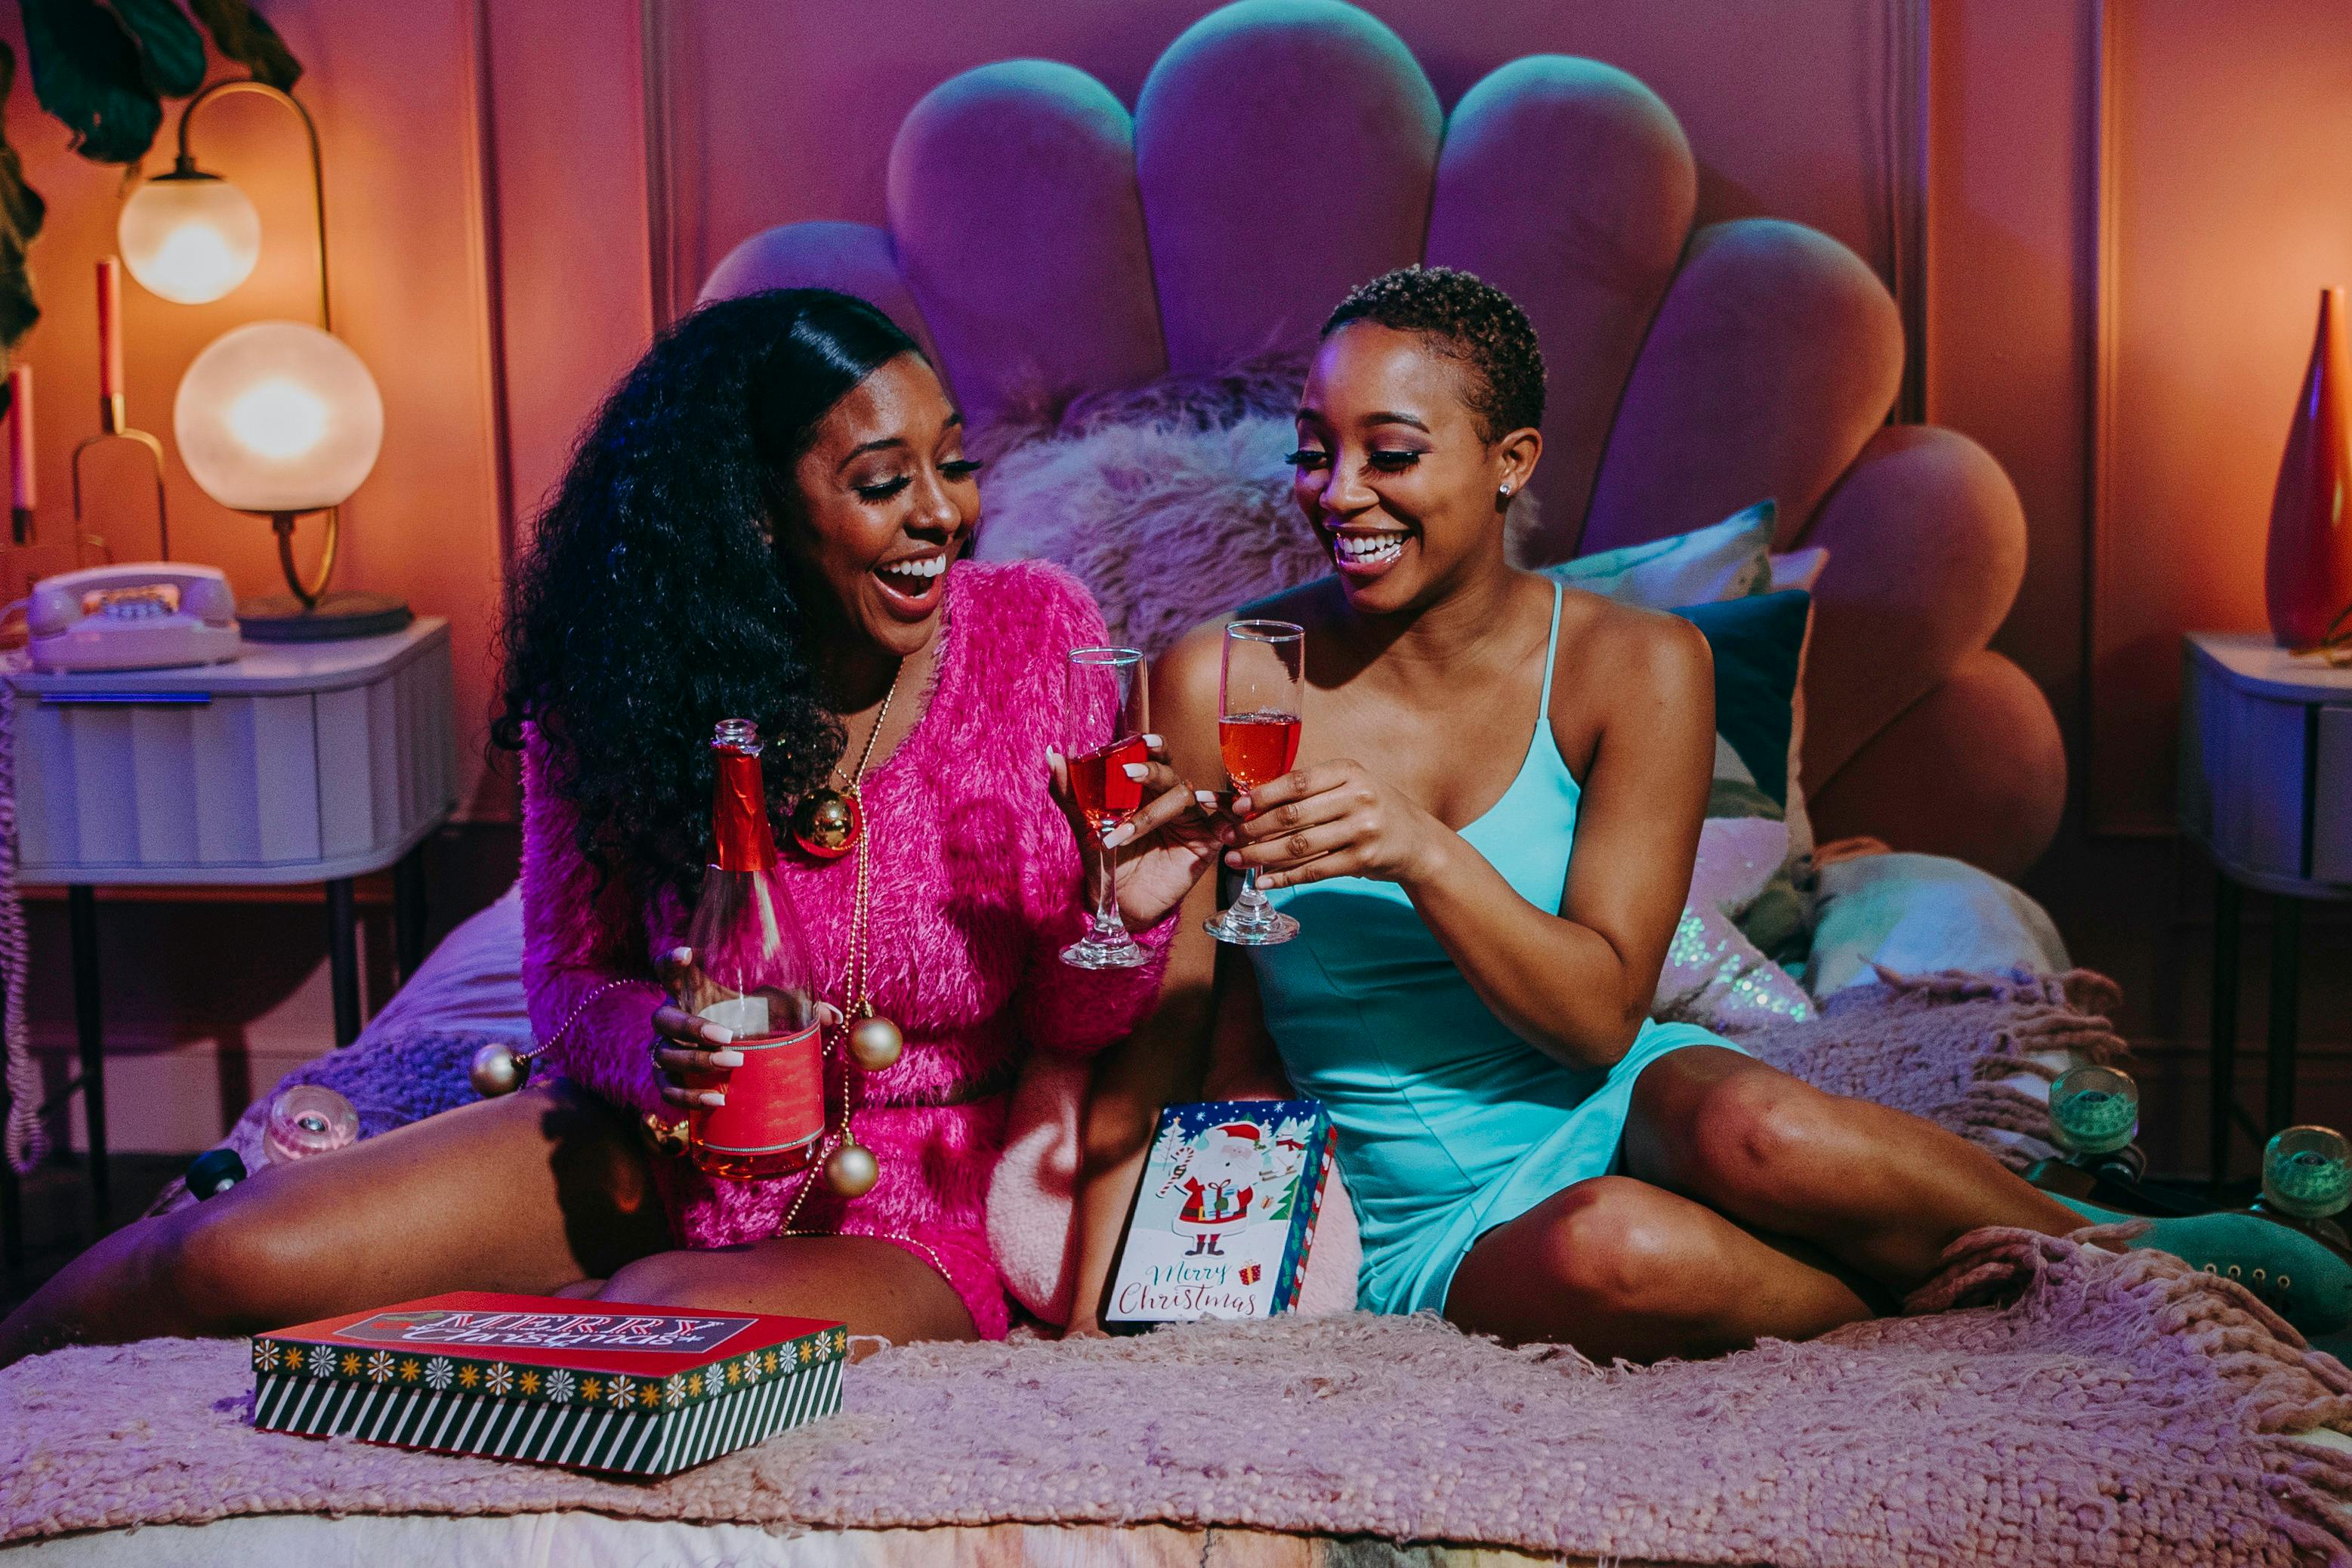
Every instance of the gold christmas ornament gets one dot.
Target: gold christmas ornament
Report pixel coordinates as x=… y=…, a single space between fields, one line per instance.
x=826 y=824
x=875 y=1044
x=851 y=1170
x=496 y=1070
x=664 y=1136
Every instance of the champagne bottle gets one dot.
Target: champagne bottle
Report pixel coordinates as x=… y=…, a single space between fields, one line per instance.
x=752 y=976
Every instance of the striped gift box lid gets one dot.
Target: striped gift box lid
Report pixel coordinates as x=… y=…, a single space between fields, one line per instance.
x=597 y=1385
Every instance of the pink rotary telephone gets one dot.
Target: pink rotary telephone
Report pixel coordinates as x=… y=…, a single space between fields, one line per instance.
x=145 y=615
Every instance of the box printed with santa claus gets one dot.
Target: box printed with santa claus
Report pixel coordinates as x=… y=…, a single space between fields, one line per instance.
x=1225 y=1215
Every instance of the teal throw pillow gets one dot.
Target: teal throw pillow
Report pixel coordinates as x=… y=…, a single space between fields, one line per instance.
x=1760 y=646
x=1728 y=560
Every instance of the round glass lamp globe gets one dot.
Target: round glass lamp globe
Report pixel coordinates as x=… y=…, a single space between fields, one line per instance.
x=189 y=238
x=278 y=417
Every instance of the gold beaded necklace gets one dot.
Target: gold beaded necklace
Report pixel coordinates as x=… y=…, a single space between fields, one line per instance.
x=866 y=1041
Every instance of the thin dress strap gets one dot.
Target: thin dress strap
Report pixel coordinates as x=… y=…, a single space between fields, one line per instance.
x=1551 y=658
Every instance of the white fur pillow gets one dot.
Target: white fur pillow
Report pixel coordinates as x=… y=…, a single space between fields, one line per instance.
x=1167 y=525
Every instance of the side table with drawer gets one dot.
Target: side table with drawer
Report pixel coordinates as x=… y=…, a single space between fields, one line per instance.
x=296 y=762
x=2266 y=787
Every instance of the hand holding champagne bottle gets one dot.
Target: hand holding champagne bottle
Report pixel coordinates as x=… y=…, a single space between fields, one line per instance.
x=746 y=1053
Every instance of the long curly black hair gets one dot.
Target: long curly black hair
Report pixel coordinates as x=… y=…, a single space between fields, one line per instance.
x=652 y=601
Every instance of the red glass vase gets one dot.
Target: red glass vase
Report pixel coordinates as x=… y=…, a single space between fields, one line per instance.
x=2308 y=575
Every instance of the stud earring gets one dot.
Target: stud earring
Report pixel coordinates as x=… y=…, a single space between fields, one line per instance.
x=1504 y=492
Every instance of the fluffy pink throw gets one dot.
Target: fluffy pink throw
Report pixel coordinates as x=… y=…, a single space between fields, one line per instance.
x=2118 y=1409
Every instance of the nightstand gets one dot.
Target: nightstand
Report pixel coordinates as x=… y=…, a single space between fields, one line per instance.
x=296 y=762
x=2266 y=787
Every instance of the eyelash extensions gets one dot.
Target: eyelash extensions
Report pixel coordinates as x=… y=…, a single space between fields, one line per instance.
x=959 y=470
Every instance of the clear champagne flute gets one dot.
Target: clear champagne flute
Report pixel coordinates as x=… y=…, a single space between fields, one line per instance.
x=1259 y=697
x=1104 y=716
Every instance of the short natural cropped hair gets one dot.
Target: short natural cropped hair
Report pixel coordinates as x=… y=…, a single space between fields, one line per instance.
x=1465 y=318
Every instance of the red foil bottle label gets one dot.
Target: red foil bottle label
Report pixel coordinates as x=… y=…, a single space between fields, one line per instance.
x=739 y=816
x=775 y=1101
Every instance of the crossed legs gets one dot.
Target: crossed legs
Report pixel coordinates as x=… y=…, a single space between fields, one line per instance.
x=1751 y=1205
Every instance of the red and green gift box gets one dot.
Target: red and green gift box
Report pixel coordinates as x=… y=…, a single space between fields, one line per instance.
x=602 y=1386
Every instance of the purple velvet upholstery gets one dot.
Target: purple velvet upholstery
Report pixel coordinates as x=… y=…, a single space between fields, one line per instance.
x=1286 y=150
x=1282 y=151
x=982 y=167
x=1569 y=184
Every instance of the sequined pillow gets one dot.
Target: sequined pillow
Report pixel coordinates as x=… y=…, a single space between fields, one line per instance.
x=1714 y=975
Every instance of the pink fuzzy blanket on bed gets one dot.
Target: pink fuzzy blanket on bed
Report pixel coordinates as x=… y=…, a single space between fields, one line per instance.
x=2117 y=1409
x=2046 y=1402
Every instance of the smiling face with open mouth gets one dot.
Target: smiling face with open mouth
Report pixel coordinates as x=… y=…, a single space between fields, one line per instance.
x=1393 y=468
x=888 y=498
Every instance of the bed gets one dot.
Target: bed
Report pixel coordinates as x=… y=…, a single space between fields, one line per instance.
x=1093 y=350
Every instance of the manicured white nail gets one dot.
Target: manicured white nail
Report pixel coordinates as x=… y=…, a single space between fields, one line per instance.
x=711 y=1098
x=681 y=954
x=1135 y=770
x=1154 y=742
x=1207 y=797
x=716 y=1035
x=1052 y=755
x=726 y=1058
x=1117 y=836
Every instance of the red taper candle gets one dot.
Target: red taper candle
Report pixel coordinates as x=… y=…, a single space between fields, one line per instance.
x=21 y=488
x=110 y=330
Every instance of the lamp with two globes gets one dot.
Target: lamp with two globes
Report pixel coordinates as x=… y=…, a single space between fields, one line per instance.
x=276 y=418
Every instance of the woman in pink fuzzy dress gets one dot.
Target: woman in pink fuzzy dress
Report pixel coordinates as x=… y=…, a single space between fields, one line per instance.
x=764 y=521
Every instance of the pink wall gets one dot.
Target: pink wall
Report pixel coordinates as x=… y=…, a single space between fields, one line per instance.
x=2233 y=200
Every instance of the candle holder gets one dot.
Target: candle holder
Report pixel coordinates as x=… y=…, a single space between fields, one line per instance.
x=113 y=419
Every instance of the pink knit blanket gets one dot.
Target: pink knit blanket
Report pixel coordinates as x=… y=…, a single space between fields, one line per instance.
x=2070 y=1406
x=2074 y=1407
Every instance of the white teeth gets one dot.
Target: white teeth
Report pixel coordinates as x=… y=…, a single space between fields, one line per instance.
x=923 y=570
x=1371 y=550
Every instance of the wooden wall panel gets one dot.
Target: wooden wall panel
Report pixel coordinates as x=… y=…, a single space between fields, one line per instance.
x=569 y=171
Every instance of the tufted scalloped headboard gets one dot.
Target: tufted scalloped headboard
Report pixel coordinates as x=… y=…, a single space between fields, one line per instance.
x=1042 y=239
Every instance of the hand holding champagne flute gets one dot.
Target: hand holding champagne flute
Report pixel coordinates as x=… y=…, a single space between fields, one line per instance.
x=1261 y=692
x=1105 y=697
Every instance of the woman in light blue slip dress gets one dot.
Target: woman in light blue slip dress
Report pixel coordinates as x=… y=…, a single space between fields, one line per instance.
x=1486 y=843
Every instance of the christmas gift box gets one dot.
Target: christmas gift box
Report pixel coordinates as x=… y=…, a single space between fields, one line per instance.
x=598 y=1386
x=1225 y=1213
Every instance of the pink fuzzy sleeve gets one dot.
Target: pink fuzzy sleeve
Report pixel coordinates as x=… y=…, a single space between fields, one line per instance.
x=585 y=972
x=1062 y=1008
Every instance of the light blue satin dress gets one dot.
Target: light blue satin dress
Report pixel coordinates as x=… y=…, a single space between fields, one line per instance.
x=1449 y=1123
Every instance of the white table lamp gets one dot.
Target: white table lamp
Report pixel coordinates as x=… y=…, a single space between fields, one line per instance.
x=279 y=418
x=189 y=236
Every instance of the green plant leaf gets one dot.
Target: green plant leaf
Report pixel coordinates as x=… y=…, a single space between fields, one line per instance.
x=170 y=54
x=21 y=207
x=86 y=72
x=18 y=308
x=245 y=35
x=21 y=215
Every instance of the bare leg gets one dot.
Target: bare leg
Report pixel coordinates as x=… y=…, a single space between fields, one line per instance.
x=874 y=1286
x=526 y=1194
x=1618 y=1267
x=1880 y=1191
